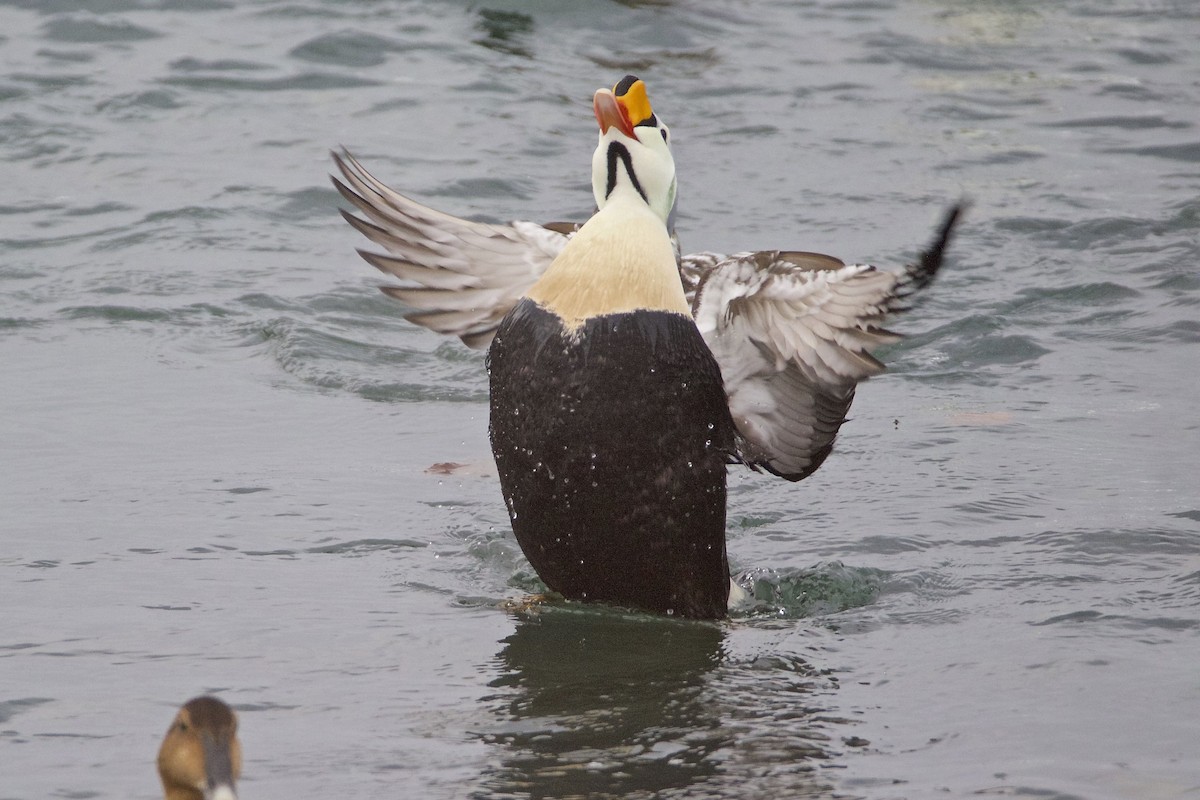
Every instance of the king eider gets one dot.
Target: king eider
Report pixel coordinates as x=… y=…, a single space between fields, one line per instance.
x=200 y=757
x=609 y=421
x=623 y=376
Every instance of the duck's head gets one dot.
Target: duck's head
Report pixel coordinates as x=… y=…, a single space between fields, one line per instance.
x=633 y=160
x=200 y=757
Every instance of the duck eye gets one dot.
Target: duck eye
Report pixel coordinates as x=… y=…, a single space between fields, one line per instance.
x=666 y=136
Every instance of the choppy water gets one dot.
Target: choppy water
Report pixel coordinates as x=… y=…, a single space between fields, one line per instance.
x=215 y=435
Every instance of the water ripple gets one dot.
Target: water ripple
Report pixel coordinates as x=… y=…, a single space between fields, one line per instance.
x=333 y=359
x=360 y=547
x=304 y=81
x=1186 y=151
x=816 y=591
x=1130 y=123
x=10 y=709
x=95 y=30
x=192 y=64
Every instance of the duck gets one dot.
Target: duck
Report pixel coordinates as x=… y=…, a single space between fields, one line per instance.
x=625 y=378
x=200 y=757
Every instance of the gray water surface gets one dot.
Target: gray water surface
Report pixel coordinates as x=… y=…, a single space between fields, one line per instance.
x=216 y=435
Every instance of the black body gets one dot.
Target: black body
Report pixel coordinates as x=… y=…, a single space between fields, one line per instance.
x=612 y=443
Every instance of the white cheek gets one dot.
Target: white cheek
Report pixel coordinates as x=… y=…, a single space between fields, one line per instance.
x=599 y=173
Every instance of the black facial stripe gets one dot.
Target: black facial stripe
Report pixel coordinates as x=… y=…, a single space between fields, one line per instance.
x=616 y=150
x=651 y=120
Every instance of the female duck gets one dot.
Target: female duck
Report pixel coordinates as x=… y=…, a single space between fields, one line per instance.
x=200 y=757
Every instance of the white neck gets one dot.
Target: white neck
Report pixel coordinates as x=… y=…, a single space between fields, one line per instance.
x=621 y=260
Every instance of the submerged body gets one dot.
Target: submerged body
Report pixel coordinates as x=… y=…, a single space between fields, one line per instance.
x=611 y=443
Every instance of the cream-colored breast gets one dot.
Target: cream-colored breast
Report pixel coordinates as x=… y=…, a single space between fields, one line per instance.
x=621 y=260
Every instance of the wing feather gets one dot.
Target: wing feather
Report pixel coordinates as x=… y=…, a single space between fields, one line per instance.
x=462 y=276
x=793 y=333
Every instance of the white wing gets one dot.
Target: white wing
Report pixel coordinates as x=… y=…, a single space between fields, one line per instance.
x=467 y=275
x=792 y=331
x=793 y=334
